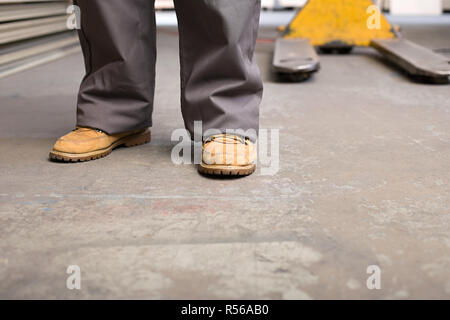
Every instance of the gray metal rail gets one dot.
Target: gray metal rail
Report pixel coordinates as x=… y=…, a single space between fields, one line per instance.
x=33 y=32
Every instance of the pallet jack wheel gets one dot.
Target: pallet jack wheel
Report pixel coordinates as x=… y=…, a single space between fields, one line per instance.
x=294 y=77
x=338 y=50
x=430 y=80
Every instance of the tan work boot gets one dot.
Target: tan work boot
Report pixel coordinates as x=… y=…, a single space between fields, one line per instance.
x=84 y=144
x=226 y=154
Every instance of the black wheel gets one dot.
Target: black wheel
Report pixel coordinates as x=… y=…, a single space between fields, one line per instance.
x=337 y=49
x=294 y=77
x=430 y=80
x=326 y=50
x=299 y=77
x=344 y=50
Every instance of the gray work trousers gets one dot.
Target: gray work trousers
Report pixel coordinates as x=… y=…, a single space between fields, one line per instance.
x=220 y=81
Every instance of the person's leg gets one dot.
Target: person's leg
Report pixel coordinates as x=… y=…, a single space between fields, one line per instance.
x=220 y=81
x=115 y=100
x=119 y=47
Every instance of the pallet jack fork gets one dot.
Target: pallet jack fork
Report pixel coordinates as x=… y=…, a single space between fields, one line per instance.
x=340 y=25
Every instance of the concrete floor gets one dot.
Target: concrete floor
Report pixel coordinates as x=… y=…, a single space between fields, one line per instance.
x=364 y=180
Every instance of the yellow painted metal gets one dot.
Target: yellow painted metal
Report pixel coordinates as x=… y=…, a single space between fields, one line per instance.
x=347 y=22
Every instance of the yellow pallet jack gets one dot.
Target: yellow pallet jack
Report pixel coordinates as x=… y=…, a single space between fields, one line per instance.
x=336 y=26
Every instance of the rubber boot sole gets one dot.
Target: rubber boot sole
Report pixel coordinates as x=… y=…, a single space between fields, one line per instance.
x=224 y=170
x=128 y=141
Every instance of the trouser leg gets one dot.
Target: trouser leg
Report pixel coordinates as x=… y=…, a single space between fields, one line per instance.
x=118 y=38
x=220 y=80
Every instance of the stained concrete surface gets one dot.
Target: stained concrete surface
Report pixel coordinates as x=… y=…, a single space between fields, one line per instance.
x=363 y=180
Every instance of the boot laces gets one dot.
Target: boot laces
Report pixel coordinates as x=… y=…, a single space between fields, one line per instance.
x=83 y=129
x=226 y=139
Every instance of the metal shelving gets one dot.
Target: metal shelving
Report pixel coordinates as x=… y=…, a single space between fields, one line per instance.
x=33 y=32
